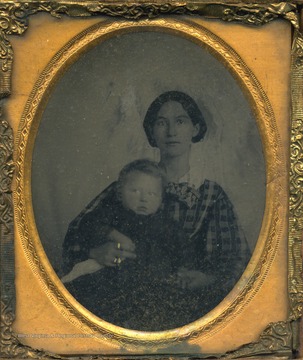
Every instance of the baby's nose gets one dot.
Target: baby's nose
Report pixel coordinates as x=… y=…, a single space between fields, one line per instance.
x=143 y=197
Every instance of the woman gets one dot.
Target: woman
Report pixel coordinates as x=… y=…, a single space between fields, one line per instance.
x=215 y=254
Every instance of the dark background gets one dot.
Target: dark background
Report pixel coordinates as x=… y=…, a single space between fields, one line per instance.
x=92 y=127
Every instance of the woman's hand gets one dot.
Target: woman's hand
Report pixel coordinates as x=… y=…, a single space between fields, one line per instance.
x=193 y=279
x=118 y=248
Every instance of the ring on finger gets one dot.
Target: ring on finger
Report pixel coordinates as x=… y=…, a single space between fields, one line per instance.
x=117 y=260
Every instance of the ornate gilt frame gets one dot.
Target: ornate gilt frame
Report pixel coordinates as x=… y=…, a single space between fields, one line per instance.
x=281 y=338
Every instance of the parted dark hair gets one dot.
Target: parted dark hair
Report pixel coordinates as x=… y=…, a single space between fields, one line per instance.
x=188 y=104
x=144 y=166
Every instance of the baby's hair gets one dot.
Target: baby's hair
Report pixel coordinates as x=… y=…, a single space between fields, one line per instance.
x=144 y=166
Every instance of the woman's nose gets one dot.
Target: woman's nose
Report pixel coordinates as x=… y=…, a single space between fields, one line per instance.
x=171 y=129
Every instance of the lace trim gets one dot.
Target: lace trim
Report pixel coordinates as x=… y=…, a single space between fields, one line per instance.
x=186 y=194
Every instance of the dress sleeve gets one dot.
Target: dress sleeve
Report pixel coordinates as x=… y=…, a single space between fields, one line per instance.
x=226 y=249
x=87 y=230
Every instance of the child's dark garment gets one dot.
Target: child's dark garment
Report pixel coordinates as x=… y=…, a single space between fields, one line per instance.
x=140 y=293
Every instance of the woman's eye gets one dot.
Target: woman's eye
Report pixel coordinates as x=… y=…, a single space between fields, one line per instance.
x=160 y=123
x=180 y=121
x=152 y=193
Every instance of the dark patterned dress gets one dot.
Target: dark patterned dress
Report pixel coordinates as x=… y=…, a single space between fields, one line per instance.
x=210 y=243
x=129 y=295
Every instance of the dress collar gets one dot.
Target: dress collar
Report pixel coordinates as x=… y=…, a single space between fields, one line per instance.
x=185 y=193
x=193 y=178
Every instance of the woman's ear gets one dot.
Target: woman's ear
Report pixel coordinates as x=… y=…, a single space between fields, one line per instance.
x=196 y=130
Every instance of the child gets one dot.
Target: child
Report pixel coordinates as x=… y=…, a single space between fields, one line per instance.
x=135 y=212
x=132 y=293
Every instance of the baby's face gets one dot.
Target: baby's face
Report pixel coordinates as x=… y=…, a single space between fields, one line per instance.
x=142 y=193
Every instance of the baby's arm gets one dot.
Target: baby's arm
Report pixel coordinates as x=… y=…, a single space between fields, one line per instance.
x=82 y=268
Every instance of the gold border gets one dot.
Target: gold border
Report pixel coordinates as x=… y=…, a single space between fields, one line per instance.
x=268 y=241
x=295 y=272
x=278 y=338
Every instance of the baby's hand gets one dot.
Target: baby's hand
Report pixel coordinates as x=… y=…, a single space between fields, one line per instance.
x=82 y=268
x=193 y=279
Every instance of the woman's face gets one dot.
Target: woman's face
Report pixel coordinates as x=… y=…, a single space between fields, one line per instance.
x=173 y=130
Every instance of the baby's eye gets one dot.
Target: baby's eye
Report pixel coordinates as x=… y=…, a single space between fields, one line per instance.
x=180 y=121
x=151 y=193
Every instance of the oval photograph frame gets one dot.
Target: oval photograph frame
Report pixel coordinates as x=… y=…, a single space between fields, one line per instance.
x=268 y=240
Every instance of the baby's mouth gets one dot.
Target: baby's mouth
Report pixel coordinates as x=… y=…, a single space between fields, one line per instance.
x=142 y=210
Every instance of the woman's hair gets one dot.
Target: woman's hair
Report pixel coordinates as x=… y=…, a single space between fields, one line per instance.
x=144 y=166
x=188 y=104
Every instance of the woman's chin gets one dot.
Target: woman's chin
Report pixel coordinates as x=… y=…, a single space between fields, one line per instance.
x=175 y=151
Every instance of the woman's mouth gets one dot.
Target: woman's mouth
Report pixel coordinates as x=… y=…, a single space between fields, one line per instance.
x=172 y=143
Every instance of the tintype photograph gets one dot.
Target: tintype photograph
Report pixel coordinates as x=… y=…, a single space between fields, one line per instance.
x=152 y=179
x=148 y=180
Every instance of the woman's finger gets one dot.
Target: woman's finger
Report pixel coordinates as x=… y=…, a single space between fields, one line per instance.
x=124 y=254
x=110 y=263
x=118 y=238
x=182 y=279
x=126 y=244
x=116 y=257
x=184 y=283
x=110 y=257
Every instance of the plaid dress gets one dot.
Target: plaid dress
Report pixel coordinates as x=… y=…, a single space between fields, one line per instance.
x=218 y=247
